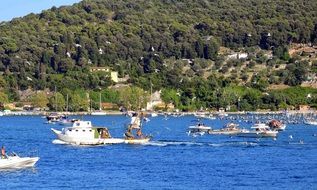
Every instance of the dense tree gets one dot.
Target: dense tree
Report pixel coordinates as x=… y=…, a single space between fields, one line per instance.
x=174 y=45
x=57 y=102
x=40 y=100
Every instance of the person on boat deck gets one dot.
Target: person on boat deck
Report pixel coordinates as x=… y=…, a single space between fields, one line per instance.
x=139 y=134
x=3 y=153
x=105 y=133
x=135 y=121
x=128 y=134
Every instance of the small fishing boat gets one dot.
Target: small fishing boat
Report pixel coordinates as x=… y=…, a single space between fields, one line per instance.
x=16 y=162
x=229 y=129
x=259 y=130
x=83 y=133
x=136 y=124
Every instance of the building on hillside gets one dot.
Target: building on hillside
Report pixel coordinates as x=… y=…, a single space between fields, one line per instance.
x=303 y=107
x=109 y=106
x=96 y=69
x=9 y=106
x=237 y=56
x=156 y=102
x=113 y=74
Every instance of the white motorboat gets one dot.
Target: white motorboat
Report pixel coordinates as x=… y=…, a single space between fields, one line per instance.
x=198 y=129
x=55 y=117
x=83 y=133
x=259 y=130
x=16 y=162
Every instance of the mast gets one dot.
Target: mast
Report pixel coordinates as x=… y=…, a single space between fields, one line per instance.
x=100 y=101
x=55 y=100
x=151 y=101
x=67 y=102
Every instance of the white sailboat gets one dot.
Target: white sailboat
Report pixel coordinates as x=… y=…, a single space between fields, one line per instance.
x=100 y=111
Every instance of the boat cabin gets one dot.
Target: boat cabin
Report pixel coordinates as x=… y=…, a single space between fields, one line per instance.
x=85 y=130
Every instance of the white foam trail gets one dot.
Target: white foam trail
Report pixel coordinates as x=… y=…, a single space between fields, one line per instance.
x=57 y=141
x=173 y=143
x=155 y=144
x=234 y=144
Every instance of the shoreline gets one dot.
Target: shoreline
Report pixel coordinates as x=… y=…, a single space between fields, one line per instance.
x=44 y=113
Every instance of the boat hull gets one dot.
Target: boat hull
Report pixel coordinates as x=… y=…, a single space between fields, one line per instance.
x=86 y=141
x=257 y=134
x=137 y=141
x=16 y=162
x=219 y=132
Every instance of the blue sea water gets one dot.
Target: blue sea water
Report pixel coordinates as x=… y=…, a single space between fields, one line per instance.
x=173 y=160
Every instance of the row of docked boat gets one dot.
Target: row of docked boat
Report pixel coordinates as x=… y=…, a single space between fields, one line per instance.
x=258 y=130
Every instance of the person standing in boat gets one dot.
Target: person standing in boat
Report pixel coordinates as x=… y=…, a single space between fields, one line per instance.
x=135 y=121
x=3 y=153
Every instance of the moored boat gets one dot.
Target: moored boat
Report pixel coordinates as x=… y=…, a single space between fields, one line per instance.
x=83 y=133
x=99 y=112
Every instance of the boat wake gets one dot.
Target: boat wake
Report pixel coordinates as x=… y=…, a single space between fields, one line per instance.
x=236 y=144
x=188 y=143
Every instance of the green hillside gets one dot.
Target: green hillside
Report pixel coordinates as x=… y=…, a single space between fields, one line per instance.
x=175 y=45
